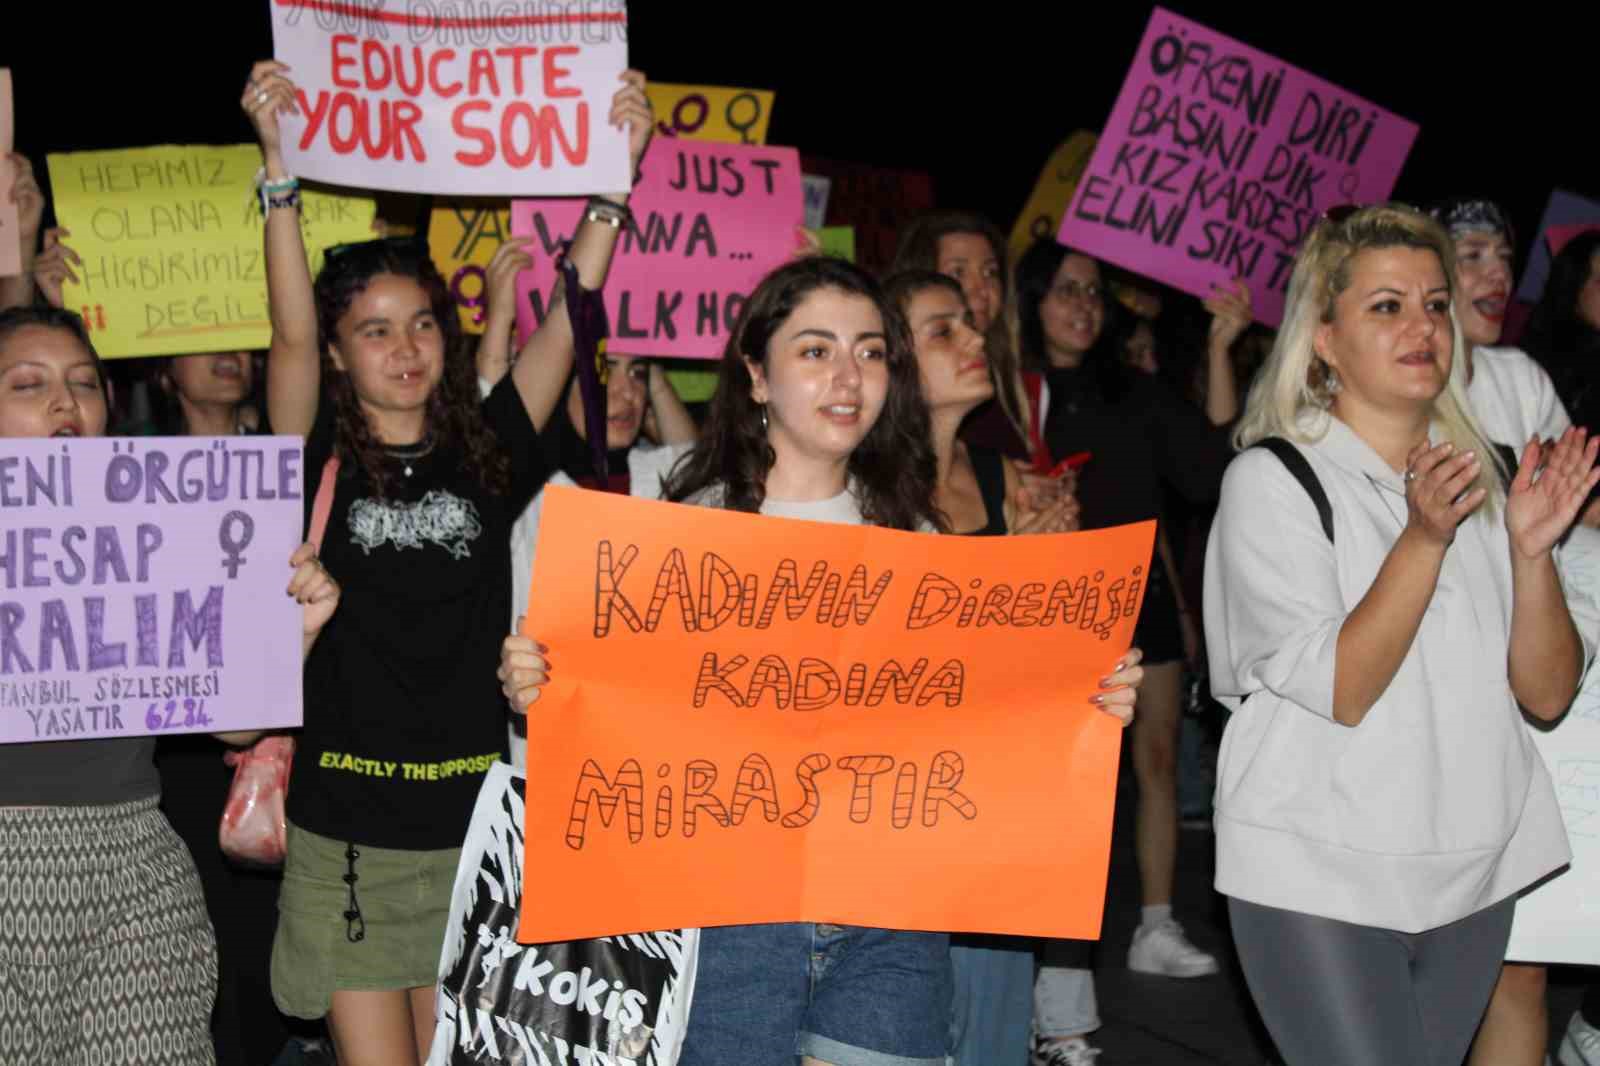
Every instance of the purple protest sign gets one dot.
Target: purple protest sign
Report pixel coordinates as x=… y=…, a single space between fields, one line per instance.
x=709 y=220
x=142 y=586
x=1218 y=159
x=1563 y=209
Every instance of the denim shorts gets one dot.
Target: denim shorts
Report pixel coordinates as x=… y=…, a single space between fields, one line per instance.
x=766 y=994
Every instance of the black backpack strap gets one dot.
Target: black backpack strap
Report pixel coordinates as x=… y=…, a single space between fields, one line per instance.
x=1298 y=465
x=1512 y=457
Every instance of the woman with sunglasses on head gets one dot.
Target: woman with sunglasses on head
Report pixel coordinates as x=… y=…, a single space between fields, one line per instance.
x=403 y=718
x=106 y=951
x=817 y=415
x=1379 y=802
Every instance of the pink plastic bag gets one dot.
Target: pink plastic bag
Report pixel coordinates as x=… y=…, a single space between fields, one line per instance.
x=253 y=827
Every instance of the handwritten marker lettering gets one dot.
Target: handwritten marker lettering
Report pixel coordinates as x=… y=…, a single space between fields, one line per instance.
x=816 y=715
x=1217 y=160
x=119 y=616
x=708 y=221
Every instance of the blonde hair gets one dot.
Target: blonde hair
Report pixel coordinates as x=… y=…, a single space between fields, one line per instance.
x=1293 y=380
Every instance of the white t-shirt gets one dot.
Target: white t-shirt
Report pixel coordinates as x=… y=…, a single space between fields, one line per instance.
x=1513 y=398
x=1435 y=806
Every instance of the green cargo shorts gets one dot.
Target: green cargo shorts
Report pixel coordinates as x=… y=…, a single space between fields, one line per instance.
x=404 y=900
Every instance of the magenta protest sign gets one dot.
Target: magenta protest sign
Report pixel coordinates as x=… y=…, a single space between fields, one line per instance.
x=1218 y=159
x=142 y=586
x=708 y=221
x=423 y=97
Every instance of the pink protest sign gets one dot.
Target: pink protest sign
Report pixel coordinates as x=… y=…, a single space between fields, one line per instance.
x=709 y=220
x=142 y=586
x=10 y=244
x=1218 y=159
x=419 y=98
x=1558 y=237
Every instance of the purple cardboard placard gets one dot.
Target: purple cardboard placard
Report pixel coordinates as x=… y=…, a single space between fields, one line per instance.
x=710 y=220
x=142 y=586
x=1218 y=159
x=1563 y=209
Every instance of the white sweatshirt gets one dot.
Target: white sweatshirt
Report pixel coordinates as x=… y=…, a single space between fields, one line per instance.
x=1436 y=805
x=1513 y=398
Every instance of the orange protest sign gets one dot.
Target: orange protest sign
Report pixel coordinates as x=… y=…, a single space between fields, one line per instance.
x=754 y=719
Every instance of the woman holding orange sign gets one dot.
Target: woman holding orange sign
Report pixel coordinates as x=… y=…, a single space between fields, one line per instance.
x=818 y=415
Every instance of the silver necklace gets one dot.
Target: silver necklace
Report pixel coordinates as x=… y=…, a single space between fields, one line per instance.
x=409 y=453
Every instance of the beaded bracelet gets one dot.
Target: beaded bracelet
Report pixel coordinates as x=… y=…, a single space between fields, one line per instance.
x=280 y=192
x=281 y=200
x=612 y=214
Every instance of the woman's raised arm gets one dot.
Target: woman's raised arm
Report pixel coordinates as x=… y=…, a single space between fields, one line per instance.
x=541 y=368
x=294 y=362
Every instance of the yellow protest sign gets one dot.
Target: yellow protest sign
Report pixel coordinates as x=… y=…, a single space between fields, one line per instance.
x=712 y=112
x=693 y=384
x=1041 y=215
x=462 y=238
x=171 y=245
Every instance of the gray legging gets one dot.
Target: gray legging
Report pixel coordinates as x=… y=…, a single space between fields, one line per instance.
x=1337 y=994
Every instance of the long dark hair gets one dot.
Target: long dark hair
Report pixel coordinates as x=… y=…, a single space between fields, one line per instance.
x=1036 y=272
x=452 y=415
x=891 y=470
x=906 y=285
x=1557 y=335
x=919 y=250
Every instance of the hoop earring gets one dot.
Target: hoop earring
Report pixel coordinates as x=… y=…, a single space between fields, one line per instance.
x=1325 y=383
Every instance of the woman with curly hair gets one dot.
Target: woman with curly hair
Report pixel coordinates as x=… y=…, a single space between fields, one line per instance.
x=403 y=717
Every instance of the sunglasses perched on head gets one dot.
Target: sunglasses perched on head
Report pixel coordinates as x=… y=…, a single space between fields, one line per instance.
x=410 y=245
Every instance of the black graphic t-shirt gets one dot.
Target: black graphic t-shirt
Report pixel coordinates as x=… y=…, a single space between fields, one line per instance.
x=403 y=711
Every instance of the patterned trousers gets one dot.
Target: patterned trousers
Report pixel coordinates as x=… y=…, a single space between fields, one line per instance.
x=106 y=952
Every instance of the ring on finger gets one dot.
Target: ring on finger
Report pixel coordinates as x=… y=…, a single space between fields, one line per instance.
x=1409 y=476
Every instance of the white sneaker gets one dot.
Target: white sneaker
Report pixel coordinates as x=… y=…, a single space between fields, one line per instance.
x=1581 y=1044
x=1074 y=1051
x=1163 y=949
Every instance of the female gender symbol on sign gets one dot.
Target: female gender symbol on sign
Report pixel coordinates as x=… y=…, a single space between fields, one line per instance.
x=232 y=544
x=691 y=113
x=457 y=290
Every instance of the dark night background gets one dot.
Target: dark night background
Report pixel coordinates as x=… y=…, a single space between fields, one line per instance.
x=977 y=95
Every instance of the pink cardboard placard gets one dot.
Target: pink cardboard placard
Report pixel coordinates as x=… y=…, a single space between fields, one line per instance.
x=1218 y=159
x=10 y=245
x=709 y=220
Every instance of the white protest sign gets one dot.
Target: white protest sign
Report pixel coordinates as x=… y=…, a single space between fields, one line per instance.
x=420 y=98
x=1559 y=922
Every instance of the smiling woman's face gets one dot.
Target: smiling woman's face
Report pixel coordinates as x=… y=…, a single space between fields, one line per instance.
x=1483 y=284
x=49 y=385
x=825 y=378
